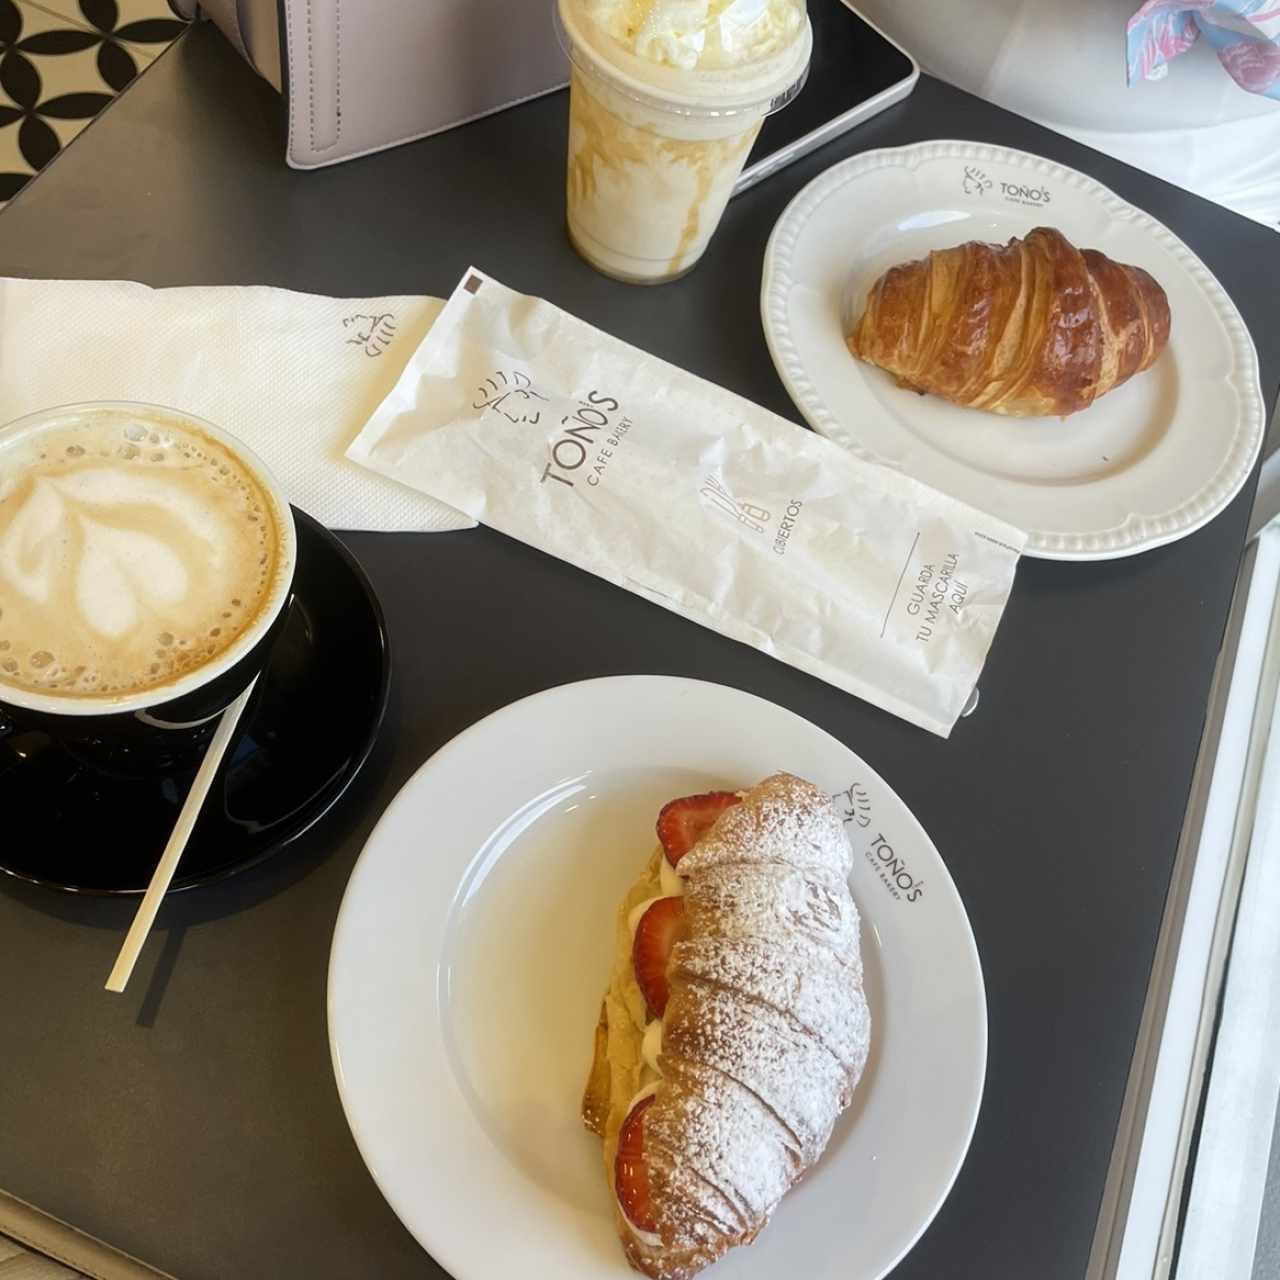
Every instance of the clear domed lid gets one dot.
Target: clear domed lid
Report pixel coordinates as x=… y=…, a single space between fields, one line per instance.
x=722 y=56
x=707 y=35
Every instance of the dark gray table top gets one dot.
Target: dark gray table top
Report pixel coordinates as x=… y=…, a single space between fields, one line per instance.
x=195 y=1122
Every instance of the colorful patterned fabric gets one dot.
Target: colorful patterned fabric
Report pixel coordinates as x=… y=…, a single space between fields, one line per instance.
x=1245 y=34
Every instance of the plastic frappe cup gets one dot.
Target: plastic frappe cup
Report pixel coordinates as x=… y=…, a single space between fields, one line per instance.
x=656 y=148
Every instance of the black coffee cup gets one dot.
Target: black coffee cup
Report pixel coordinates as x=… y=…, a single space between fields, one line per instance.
x=165 y=728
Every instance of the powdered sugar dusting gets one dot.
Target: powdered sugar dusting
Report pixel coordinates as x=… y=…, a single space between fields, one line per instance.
x=766 y=1031
x=786 y=820
x=804 y=982
x=713 y=1128
x=790 y=1072
x=774 y=903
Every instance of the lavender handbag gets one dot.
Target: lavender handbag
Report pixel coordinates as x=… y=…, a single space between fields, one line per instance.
x=362 y=75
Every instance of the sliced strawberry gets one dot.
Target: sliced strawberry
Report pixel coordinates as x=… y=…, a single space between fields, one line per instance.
x=684 y=822
x=660 y=928
x=630 y=1177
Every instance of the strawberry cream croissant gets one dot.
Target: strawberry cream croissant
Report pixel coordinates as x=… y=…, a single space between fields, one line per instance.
x=734 y=1028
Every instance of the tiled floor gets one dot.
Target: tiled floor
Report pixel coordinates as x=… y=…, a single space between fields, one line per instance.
x=61 y=62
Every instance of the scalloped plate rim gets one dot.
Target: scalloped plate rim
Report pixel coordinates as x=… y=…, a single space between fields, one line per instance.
x=1140 y=531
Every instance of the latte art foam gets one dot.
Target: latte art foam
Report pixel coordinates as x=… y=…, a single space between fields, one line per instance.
x=132 y=551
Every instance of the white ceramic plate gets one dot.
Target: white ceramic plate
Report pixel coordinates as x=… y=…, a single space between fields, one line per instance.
x=1147 y=464
x=473 y=947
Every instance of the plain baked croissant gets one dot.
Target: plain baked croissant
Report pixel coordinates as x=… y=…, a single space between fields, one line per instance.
x=1033 y=328
x=734 y=1028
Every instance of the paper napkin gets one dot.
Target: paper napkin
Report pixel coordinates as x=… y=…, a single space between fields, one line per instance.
x=293 y=375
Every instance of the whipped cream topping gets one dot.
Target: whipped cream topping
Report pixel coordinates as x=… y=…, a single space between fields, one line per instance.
x=700 y=34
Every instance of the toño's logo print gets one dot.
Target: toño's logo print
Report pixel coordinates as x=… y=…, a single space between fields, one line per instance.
x=854 y=807
x=511 y=395
x=373 y=333
x=976 y=182
x=1021 y=193
x=585 y=429
x=893 y=871
x=854 y=804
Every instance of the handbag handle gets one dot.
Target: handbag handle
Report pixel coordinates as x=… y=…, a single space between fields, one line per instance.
x=226 y=17
x=230 y=18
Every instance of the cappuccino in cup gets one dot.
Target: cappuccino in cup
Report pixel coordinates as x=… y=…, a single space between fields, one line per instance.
x=143 y=555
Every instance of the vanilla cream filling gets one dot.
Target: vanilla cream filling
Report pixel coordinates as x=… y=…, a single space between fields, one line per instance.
x=651 y=1031
x=633 y=920
x=651 y=1045
x=651 y=1238
x=670 y=879
x=672 y=886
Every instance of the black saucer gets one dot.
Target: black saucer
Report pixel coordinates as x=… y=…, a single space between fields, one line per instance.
x=320 y=705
